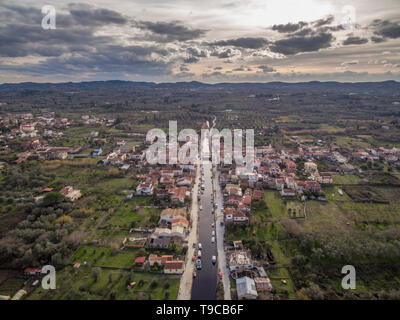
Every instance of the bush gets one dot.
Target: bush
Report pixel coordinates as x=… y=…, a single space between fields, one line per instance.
x=314 y=292
x=52 y=198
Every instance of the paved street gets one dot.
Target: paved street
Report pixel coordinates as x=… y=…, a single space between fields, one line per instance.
x=220 y=230
x=185 y=286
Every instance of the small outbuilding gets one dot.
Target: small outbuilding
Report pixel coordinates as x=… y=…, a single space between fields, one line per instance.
x=246 y=288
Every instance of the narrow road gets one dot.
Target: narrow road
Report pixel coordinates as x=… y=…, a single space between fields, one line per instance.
x=185 y=286
x=220 y=229
x=205 y=283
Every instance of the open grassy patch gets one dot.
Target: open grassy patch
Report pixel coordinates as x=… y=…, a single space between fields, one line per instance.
x=103 y=256
x=346 y=179
x=373 y=213
x=275 y=204
x=74 y=284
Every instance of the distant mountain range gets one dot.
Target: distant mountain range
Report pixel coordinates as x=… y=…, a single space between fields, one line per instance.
x=312 y=86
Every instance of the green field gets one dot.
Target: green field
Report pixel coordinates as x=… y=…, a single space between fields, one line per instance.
x=275 y=205
x=103 y=256
x=277 y=275
x=346 y=179
x=110 y=284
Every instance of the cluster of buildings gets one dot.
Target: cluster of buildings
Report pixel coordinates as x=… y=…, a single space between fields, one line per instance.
x=93 y=120
x=35 y=130
x=275 y=170
x=279 y=170
x=70 y=193
x=119 y=155
x=388 y=155
x=45 y=125
x=40 y=150
x=171 y=185
x=250 y=279
x=29 y=126
x=238 y=205
x=172 y=226
x=168 y=263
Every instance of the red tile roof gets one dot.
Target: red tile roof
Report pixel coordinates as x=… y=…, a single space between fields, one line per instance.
x=140 y=260
x=174 y=264
x=166 y=258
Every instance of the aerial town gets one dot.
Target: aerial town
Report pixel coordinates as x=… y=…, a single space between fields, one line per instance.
x=122 y=228
x=199 y=158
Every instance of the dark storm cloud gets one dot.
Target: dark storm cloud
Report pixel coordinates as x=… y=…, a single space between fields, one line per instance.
x=76 y=35
x=289 y=27
x=90 y=16
x=245 y=43
x=171 y=31
x=24 y=40
x=297 y=44
x=81 y=45
x=18 y=15
x=107 y=59
x=26 y=37
x=354 y=40
x=300 y=37
x=79 y=15
x=386 y=29
x=304 y=32
x=305 y=37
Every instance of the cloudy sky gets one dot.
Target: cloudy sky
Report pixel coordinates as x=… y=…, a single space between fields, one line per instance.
x=209 y=40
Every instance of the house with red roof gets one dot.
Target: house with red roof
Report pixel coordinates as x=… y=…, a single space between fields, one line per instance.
x=290 y=165
x=258 y=195
x=313 y=186
x=139 y=261
x=174 y=267
x=178 y=195
x=166 y=257
x=287 y=193
x=32 y=271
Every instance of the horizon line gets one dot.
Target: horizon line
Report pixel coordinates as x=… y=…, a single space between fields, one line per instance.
x=195 y=81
